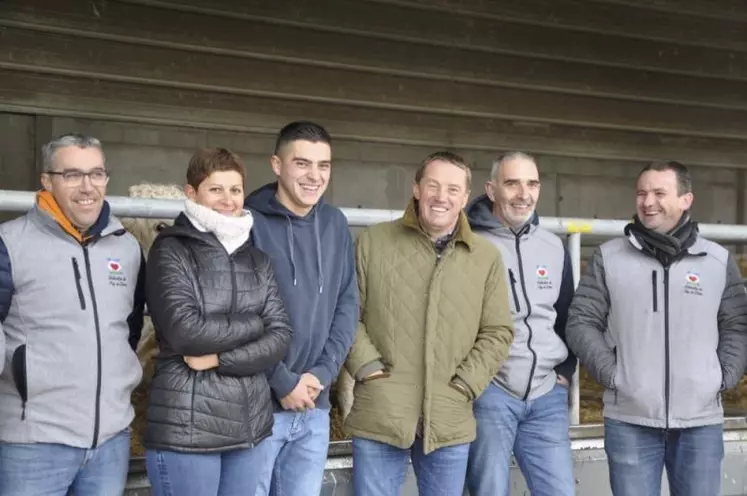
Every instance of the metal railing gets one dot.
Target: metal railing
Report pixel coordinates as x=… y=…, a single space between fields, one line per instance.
x=573 y=228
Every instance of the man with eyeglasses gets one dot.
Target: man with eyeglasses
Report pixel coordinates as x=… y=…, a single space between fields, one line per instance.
x=71 y=312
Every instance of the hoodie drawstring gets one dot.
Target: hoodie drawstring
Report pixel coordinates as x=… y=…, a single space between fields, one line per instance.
x=291 y=243
x=318 y=253
x=290 y=249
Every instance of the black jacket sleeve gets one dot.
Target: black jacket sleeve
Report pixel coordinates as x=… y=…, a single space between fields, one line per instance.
x=135 y=319
x=563 y=303
x=732 y=327
x=177 y=313
x=261 y=354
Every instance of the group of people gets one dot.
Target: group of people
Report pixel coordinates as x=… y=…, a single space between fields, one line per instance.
x=459 y=323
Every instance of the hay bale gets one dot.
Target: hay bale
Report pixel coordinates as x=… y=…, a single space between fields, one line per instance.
x=591 y=399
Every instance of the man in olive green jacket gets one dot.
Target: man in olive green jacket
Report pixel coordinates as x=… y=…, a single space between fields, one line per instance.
x=435 y=326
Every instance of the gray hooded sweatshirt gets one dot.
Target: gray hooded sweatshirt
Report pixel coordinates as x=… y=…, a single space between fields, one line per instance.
x=541 y=288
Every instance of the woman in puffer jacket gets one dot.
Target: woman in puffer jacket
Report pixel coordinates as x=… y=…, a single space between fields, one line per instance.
x=220 y=324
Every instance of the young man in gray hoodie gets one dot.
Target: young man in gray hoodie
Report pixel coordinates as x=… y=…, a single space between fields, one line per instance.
x=525 y=409
x=660 y=320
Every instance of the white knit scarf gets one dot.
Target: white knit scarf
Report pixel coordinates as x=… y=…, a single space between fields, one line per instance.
x=232 y=232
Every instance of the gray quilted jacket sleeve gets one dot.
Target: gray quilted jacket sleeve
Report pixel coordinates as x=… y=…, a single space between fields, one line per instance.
x=587 y=322
x=732 y=327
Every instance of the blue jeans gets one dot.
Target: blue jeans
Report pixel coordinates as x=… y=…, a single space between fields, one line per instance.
x=55 y=469
x=537 y=433
x=293 y=458
x=230 y=473
x=380 y=469
x=637 y=455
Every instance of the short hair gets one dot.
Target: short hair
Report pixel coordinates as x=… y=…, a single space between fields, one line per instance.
x=444 y=156
x=205 y=161
x=50 y=149
x=301 y=131
x=505 y=157
x=684 y=179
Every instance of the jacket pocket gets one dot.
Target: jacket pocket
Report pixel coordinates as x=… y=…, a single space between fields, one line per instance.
x=614 y=375
x=463 y=395
x=76 y=273
x=18 y=369
x=696 y=394
x=654 y=291
x=512 y=279
x=383 y=375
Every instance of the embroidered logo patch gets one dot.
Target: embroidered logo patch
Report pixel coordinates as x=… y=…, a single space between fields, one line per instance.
x=543 y=277
x=114 y=265
x=692 y=283
x=116 y=276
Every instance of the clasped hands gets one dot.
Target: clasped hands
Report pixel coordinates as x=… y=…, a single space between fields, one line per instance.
x=301 y=398
x=304 y=394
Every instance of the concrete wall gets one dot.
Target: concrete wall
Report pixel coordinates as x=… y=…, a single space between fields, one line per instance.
x=364 y=174
x=593 y=88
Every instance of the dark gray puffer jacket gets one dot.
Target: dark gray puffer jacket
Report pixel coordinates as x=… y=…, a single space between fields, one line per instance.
x=205 y=301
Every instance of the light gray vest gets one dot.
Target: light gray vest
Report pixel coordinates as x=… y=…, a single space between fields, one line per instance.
x=534 y=271
x=663 y=326
x=67 y=330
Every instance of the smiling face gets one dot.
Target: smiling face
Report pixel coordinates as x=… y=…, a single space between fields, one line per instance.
x=441 y=193
x=514 y=191
x=80 y=197
x=222 y=191
x=303 y=169
x=659 y=203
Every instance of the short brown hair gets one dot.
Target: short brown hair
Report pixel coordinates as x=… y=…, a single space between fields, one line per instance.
x=205 y=161
x=444 y=156
x=684 y=179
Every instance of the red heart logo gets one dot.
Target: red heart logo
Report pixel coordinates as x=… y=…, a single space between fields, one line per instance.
x=114 y=266
x=542 y=272
x=692 y=278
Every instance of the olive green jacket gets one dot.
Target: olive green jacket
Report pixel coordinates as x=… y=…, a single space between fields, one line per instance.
x=440 y=327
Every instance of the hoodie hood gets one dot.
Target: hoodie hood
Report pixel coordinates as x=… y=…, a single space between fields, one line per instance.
x=480 y=214
x=264 y=200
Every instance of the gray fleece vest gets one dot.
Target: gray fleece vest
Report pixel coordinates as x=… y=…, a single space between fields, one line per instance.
x=663 y=326
x=534 y=266
x=67 y=334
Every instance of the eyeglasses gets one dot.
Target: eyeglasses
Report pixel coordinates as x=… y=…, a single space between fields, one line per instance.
x=74 y=177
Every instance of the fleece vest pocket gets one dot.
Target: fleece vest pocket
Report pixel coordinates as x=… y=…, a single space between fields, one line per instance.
x=18 y=368
x=78 y=287
x=512 y=279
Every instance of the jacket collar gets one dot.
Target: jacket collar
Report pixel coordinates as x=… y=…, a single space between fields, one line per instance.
x=50 y=214
x=463 y=232
x=481 y=218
